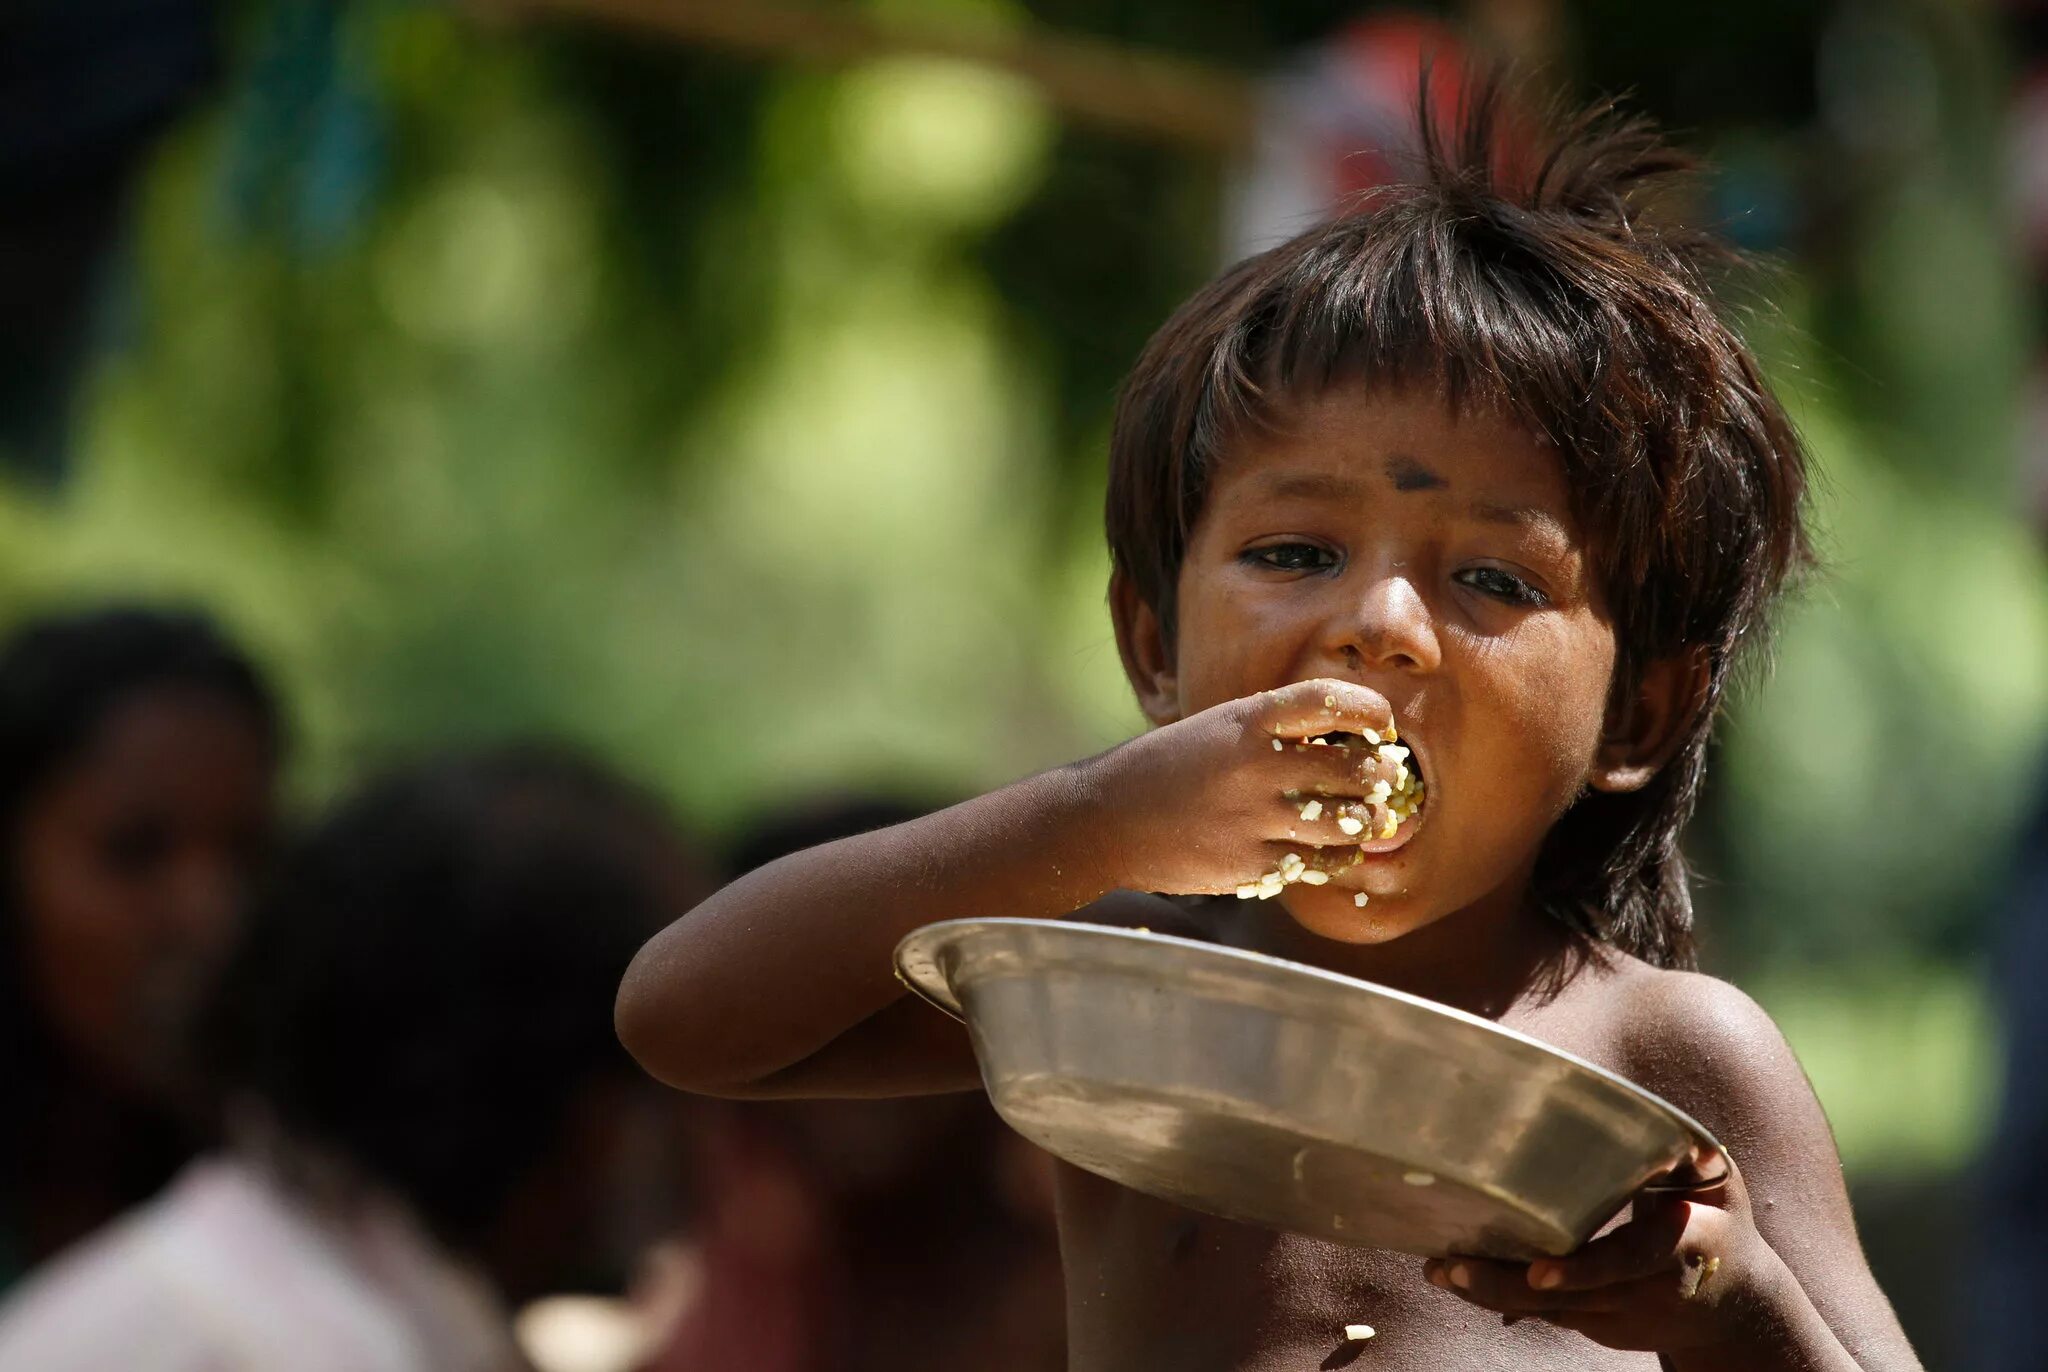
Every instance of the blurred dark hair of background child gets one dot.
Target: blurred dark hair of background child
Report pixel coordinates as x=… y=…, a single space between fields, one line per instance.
x=428 y=1118
x=138 y=755
x=868 y=1236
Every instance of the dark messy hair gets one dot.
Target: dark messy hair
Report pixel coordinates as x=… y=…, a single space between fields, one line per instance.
x=63 y=675
x=424 y=988
x=1536 y=285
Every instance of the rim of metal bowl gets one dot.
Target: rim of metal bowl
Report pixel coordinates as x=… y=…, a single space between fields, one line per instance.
x=917 y=967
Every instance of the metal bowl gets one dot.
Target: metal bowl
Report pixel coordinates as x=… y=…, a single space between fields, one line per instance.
x=1261 y=1090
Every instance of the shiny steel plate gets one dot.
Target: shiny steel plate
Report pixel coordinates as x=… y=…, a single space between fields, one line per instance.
x=1262 y=1090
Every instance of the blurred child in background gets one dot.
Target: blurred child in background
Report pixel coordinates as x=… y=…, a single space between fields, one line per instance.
x=869 y=1236
x=429 y=1120
x=139 y=751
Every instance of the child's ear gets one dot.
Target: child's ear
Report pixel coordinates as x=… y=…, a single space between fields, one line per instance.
x=1141 y=641
x=1643 y=730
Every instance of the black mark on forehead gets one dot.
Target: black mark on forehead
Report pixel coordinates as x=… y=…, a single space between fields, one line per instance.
x=1409 y=475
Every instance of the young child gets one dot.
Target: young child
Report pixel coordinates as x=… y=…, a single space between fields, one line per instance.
x=139 y=753
x=1478 y=459
x=428 y=1122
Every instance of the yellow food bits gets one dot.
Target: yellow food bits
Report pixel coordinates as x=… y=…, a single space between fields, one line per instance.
x=1401 y=796
x=1392 y=799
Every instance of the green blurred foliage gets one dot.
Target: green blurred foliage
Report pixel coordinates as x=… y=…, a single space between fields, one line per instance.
x=746 y=425
x=1899 y=1056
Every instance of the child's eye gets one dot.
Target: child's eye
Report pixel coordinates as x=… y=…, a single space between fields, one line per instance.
x=1292 y=557
x=1502 y=585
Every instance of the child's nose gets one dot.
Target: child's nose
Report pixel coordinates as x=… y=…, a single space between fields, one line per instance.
x=1387 y=624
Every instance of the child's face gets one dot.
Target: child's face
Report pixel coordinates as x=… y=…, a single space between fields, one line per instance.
x=129 y=865
x=1378 y=538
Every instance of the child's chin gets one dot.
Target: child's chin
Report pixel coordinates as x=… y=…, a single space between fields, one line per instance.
x=1333 y=913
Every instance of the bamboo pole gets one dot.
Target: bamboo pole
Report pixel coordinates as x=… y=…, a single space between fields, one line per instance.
x=1142 y=93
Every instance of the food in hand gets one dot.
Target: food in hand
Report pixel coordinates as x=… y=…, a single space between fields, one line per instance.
x=1394 y=799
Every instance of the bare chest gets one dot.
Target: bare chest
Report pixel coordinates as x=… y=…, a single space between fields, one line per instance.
x=1150 y=1284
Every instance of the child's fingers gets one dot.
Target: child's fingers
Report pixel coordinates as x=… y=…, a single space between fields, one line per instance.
x=1652 y=1241
x=1346 y=821
x=1325 y=705
x=1336 y=772
x=1294 y=863
x=1343 y=777
x=1326 y=821
x=1504 y=1287
x=1336 y=764
x=1333 y=760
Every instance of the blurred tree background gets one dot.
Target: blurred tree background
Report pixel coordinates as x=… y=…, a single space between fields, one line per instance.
x=744 y=420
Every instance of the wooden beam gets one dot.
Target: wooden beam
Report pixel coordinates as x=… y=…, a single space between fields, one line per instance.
x=1149 y=95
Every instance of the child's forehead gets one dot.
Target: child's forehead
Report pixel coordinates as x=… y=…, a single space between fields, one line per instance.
x=1352 y=443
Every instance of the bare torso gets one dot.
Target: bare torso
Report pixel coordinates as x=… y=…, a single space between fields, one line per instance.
x=1153 y=1285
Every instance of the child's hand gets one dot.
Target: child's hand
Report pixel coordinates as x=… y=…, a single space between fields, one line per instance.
x=1686 y=1273
x=1208 y=803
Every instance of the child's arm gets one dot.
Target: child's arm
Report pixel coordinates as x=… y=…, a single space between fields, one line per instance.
x=1765 y=1275
x=782 y=984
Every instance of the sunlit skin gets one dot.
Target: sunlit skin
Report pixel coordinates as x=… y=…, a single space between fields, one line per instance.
x=1372 y=557
x=1436 y=561
x=128 y=865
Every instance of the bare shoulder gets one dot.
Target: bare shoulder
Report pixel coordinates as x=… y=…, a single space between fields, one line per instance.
x=1709 y=1049
x=1705 y=1046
